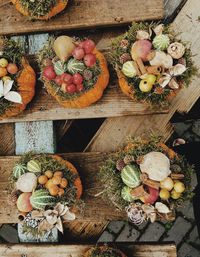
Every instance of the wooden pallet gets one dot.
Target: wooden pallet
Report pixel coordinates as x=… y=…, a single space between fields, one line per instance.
x=136 y=250
x=82 y=14
x=88 y=165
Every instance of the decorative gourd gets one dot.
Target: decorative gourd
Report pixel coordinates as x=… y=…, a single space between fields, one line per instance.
x=26 y=182
x=129 y=69
x=26 y=86
x=88 y=97
x=60 y=67
x=75 y=66
x=34 y=166
x=161 y=42
x=59 y=7
x=126 y=194
x=40 y=199
x=130 y=176
x=19 y=170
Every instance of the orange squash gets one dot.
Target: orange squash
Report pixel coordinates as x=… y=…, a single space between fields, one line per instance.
x=59 y=7
x=92 y=95
x=88 y=253
x=70 y=166
x=26 y=88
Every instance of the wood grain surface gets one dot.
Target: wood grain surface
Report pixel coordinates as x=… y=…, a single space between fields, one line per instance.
x=88 y=166
x=133 y=250
x=82 y=14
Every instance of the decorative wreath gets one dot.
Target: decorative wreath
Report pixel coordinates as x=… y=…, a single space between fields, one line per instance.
x=74 y=72
x=152 y=64
x=40 y=10
x=148 y=180
x=47 y=191
x=17 y=79
x=104 y=251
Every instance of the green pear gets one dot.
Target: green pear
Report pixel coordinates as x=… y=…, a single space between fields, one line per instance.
x=145 y=86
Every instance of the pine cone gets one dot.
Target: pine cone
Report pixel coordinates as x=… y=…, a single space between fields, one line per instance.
x=124 y=58
x=128 y=159
x=87 y=74
x=120 y=164
x=124 y=43
x=182 y=61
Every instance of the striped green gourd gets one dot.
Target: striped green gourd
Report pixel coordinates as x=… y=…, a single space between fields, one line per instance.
x=126 y=194
x=19 y=170
x=60 y=67
x=130 y=175
x=40 y=199
x=34 y=166
x=75 y=66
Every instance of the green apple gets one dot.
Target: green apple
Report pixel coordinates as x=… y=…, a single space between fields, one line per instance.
x=151 y=78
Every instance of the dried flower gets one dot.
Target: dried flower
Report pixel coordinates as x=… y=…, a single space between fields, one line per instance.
x=124 y=58
x=124 y=43
x=128 y=159
x=142 y=34
x=176 y=50
x=135 y=213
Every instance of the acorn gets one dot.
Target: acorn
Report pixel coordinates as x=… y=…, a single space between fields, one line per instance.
x=120 y=164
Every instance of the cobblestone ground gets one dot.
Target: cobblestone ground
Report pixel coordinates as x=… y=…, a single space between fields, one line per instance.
x=183 y=231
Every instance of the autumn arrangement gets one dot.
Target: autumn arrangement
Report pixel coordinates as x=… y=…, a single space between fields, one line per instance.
x=152 y=65
x=46 y=190
x=17 y=79
x=148 y=180
x=74 y=72
x=40 y=10
x=104 y=251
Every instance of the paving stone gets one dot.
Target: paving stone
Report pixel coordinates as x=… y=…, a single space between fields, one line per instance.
x=180 y=128
x=9 y=234
x=194 y=236
x=196 y=127
x=187 y=250
x=187 y=210
x=178 y=231
x=106 y=237
x=153 y=232
x=115 y=226
x=128 y=234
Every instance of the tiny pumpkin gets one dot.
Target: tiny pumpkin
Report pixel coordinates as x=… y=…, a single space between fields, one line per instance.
x=57 y=8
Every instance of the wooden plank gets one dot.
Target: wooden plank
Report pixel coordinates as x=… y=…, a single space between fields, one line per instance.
x=88 y=165
x=114 y=103
x=113 y=132
x=83 y=14
x=136 y=250
x=7 y=139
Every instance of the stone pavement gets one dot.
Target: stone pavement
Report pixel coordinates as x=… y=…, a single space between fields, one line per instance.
x=183 y=231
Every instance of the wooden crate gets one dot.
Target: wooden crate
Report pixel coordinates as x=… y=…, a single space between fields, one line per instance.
x=134 y=250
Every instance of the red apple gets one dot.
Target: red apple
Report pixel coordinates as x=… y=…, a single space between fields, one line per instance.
x=12 y=68
x=58 y=80
x=69 y=88
x=77 y=79
x=89 y=60
x=23 y=202
x=67 y=78
x=152 y=197
x=79 y=88
x=88 y=46
x=49 y=73
x=78 y=53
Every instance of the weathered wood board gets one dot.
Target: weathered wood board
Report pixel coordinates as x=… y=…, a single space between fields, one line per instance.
x=132 y=250
x=88 y=166
x=82 y=14
x=113 y=103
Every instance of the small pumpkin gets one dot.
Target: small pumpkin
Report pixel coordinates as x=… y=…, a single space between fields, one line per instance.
x=26 y=88
x=88 y=97
x=58 y=7
x=105 y=251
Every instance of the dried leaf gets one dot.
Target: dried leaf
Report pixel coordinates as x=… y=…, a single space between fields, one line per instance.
x=158 y=29
x=173 y=84
x=164 y=80
x=59 y=225
x=69 y=216
x=7 y=86
x=162 y=208
x=177 y=70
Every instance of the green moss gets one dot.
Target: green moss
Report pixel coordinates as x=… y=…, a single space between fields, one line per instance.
x=109 y=252
x=157 y=100
x=38 y=8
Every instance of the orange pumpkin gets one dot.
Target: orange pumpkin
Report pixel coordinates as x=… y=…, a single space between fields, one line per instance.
x=88 y=253
x=26 y=88
x=70 y=166
x=92 y=95
x=59 y=7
